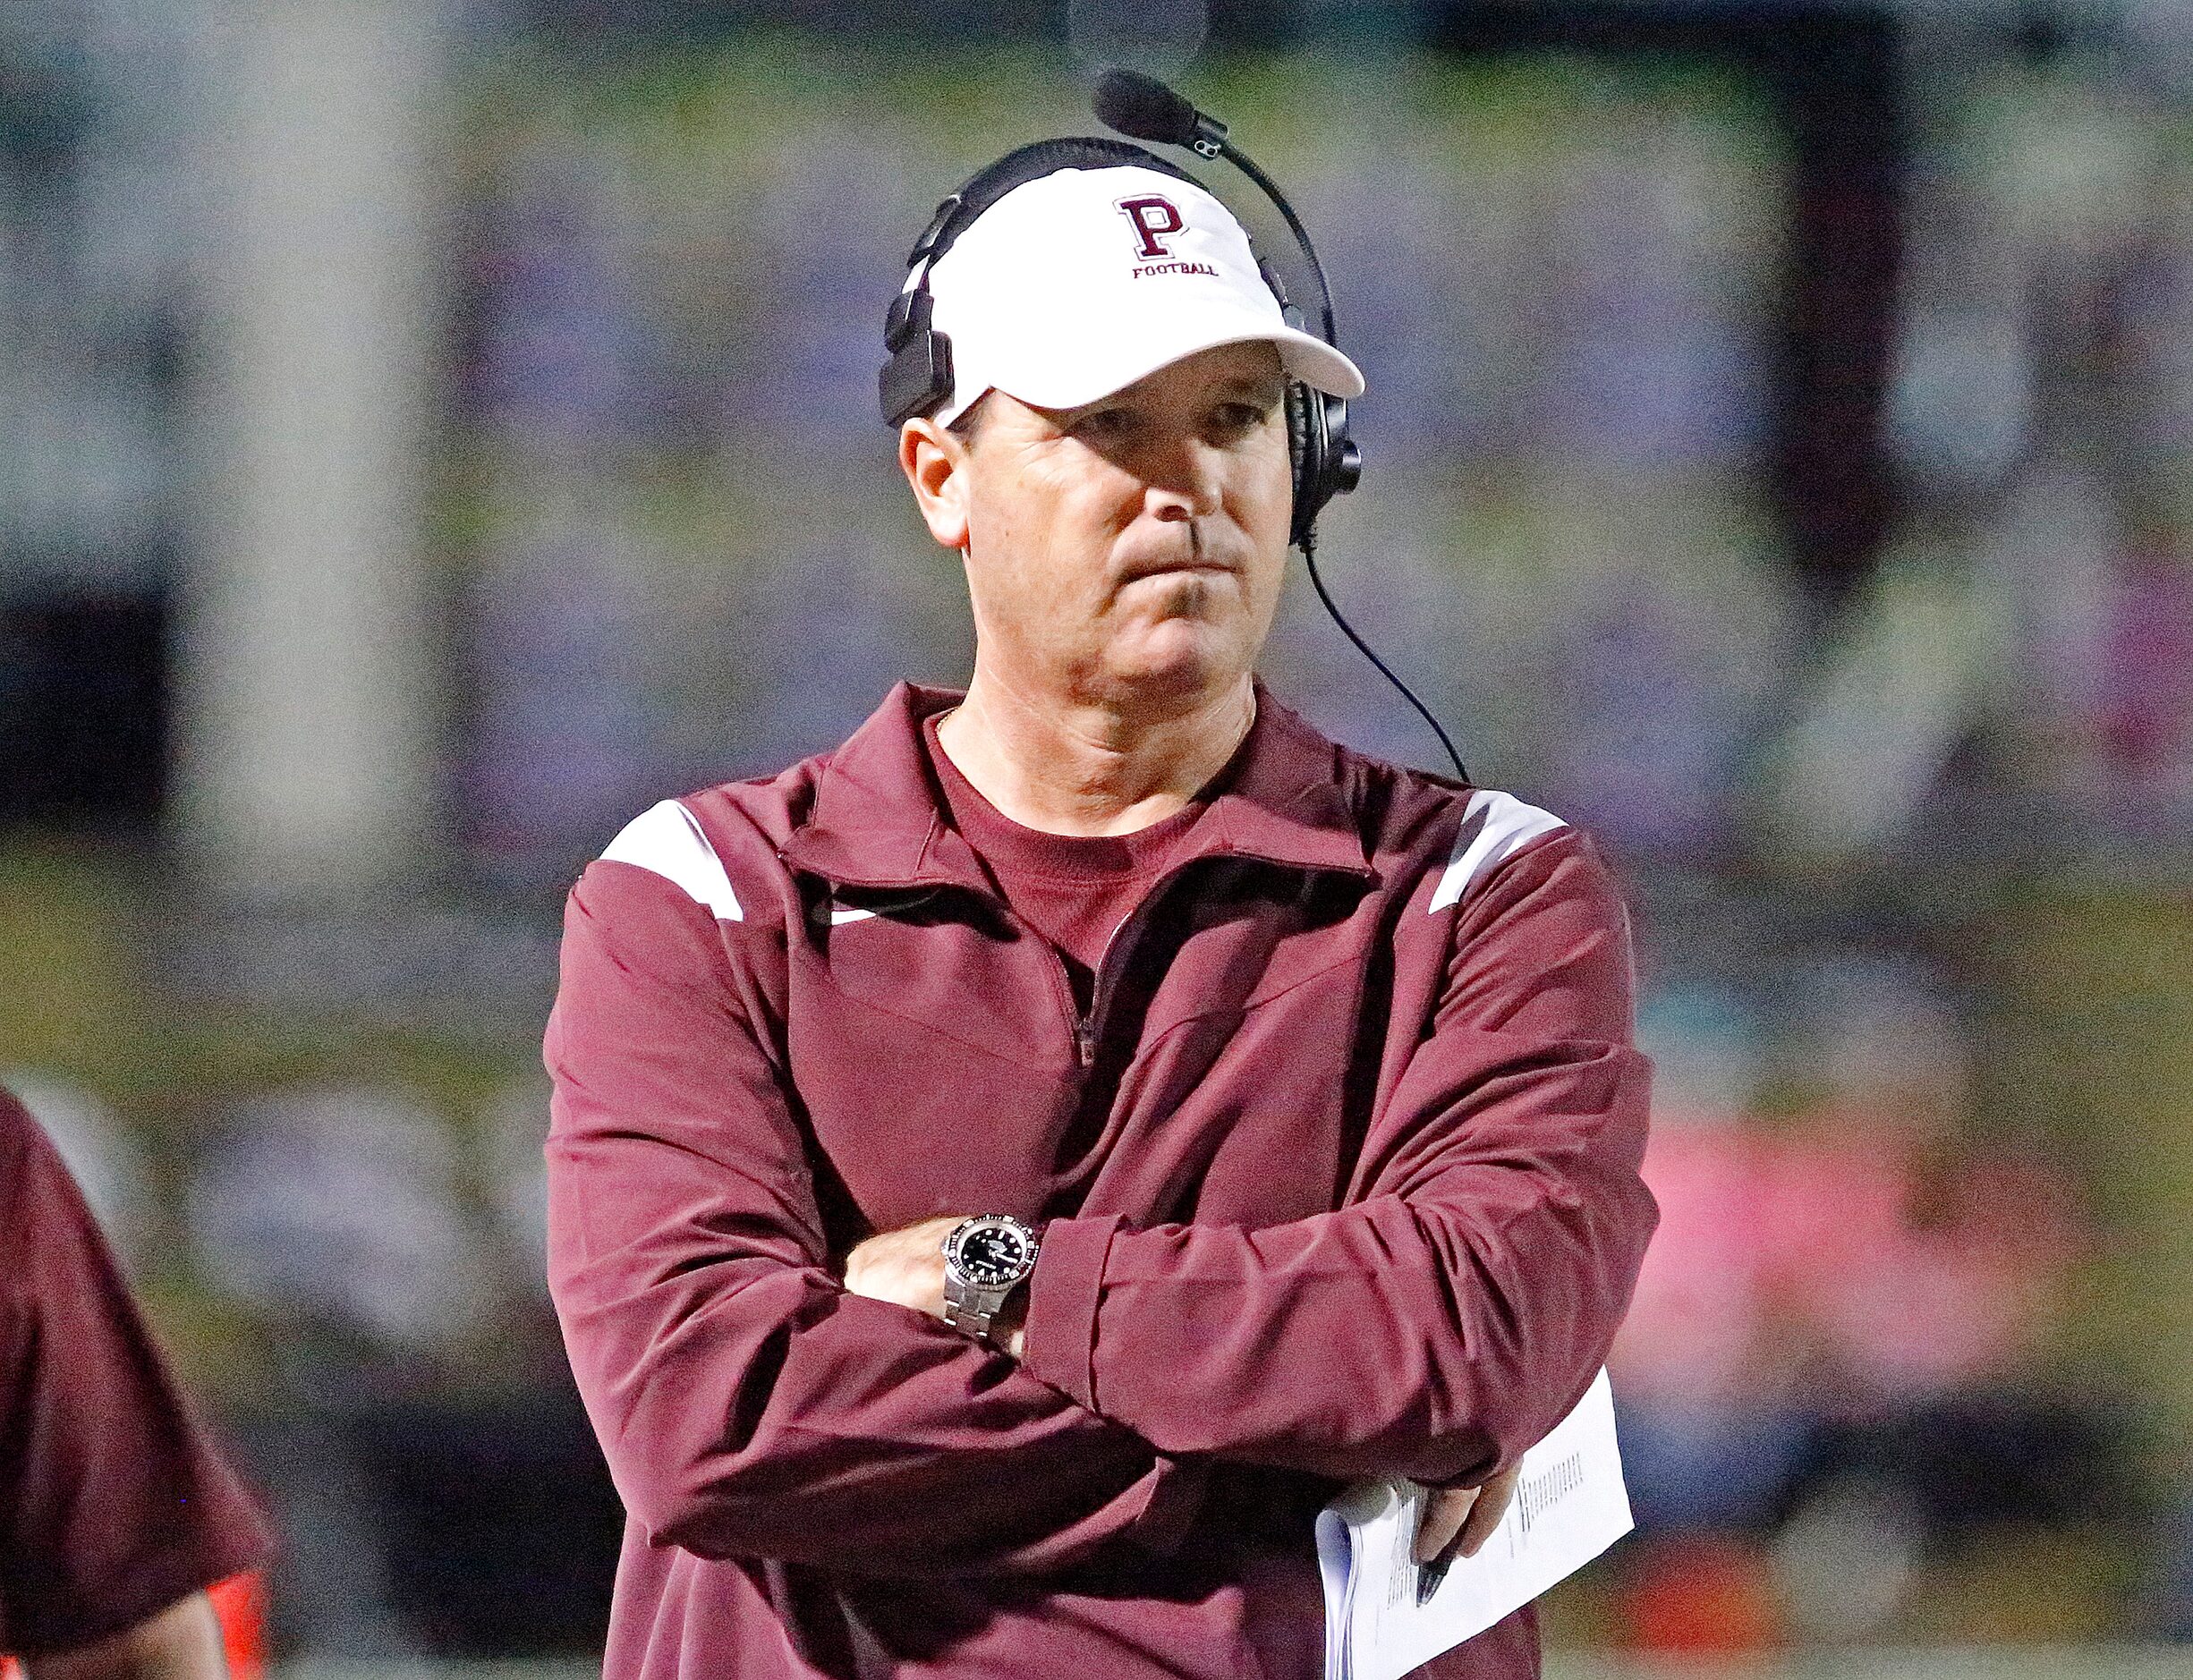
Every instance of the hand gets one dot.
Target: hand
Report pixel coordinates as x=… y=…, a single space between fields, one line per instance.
x=906 y=1266
x=1462 y=1517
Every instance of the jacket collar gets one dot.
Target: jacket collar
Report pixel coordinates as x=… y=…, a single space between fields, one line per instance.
x=878 y=820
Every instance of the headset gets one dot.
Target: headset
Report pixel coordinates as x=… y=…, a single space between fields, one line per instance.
x=917 y=379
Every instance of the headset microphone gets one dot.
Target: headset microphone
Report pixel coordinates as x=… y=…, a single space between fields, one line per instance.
x=1143 y=107
x=1327 y=461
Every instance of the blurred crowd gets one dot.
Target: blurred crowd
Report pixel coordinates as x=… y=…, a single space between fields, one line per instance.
x=1906 y=1359
x=1838 y=1378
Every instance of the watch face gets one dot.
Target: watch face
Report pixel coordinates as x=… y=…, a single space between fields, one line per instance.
x=992 y=1256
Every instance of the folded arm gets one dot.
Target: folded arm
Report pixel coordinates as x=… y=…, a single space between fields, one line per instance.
x=747 y=1403
x=1447 y=1318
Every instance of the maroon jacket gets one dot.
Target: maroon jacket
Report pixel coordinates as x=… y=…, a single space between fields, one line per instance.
x=114 y=1503
x=1340 y=1177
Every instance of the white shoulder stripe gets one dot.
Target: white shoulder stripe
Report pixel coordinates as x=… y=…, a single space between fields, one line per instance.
x=666 y=841
x=1498 y=826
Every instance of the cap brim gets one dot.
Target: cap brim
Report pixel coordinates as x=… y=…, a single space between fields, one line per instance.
x=1308 y=359
x=1318 y=365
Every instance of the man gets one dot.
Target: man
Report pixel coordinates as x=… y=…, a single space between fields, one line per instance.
x=115 y=1512
x=1295 y=1088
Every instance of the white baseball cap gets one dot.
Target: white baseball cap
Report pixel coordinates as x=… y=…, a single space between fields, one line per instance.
x=1076 y=285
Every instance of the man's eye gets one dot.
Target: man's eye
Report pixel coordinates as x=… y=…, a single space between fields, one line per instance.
x=1105 y=423
x=1241 y=417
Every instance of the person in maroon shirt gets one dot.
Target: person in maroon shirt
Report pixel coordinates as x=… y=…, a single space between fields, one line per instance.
x=1008 y=1171
x=115 y=1510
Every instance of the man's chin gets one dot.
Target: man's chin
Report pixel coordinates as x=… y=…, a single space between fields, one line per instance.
x=1178 y=658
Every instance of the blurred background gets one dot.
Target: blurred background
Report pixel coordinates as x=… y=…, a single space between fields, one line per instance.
x=433 y=431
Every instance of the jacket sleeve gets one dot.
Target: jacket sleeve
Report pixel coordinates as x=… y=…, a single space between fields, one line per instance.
x=1459 y=1304
x=115 y=1502
x=747 y=1404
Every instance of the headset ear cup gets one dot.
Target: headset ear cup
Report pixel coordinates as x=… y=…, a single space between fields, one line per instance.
x=1306 y=441
x=1343 y=456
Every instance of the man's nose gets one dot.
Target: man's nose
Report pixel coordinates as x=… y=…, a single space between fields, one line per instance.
x=1182 y=481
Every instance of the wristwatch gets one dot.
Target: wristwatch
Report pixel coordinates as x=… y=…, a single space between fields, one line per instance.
x=985 y=1260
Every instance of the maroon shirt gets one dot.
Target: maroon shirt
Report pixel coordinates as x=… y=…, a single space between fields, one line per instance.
x=112 y=1503
x=1076 y=890
x=1339 y=1167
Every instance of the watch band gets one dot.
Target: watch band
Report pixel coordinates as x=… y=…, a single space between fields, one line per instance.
x=969 y=1309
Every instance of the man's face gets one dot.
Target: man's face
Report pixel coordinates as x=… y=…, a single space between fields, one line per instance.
x=1130 y=551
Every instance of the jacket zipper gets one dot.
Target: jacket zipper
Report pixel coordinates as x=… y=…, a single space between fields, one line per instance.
x=1085 y=1027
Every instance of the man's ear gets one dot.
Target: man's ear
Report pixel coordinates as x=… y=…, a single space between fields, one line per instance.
x=935 y=462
